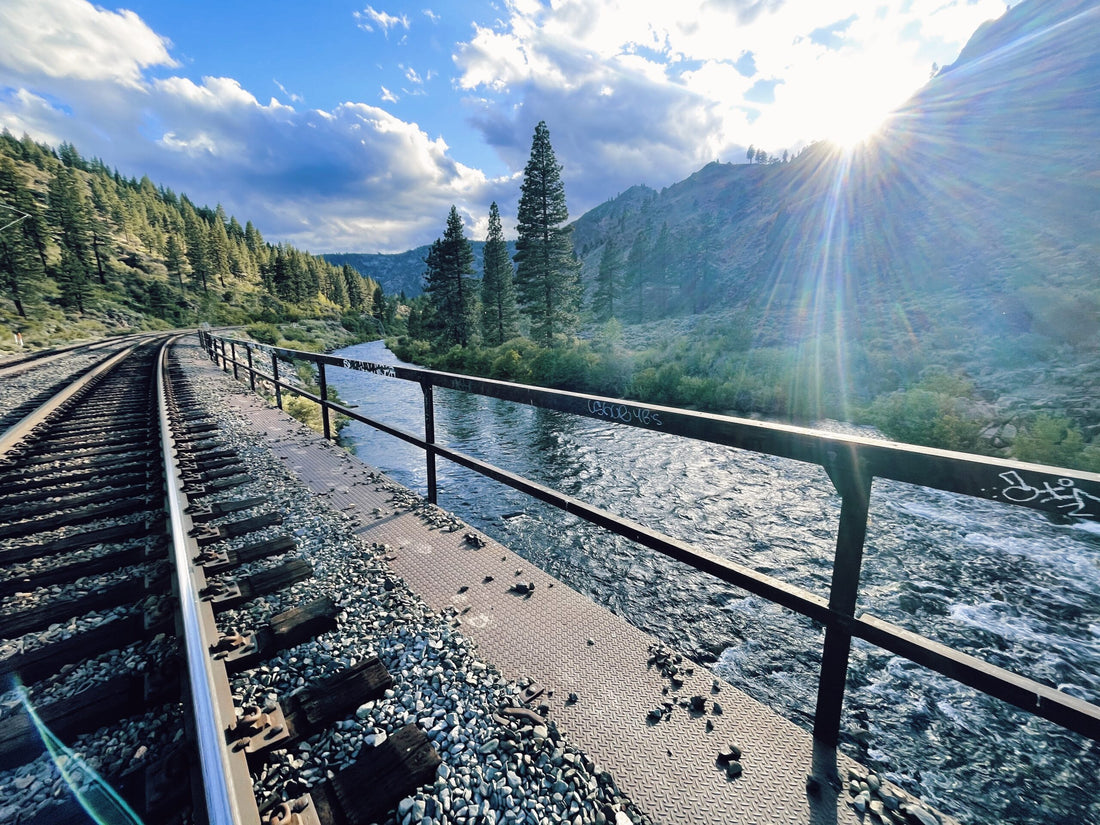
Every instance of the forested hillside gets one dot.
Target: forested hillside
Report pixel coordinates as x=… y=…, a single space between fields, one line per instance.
x=85 y=252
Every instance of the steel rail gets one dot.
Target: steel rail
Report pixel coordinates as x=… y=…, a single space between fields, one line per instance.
x=18 y=431
x=226 y=783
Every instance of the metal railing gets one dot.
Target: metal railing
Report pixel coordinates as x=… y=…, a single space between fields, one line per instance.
x=851 y=463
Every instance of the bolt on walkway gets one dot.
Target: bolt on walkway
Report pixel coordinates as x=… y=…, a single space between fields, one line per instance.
x=567 y=644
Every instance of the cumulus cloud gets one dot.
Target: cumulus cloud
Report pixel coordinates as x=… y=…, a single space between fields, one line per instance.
x=67 y=39
x=648 y=93
x=632 y=94
x=353 y=177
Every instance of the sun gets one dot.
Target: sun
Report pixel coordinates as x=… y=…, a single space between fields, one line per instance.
x=853 y=122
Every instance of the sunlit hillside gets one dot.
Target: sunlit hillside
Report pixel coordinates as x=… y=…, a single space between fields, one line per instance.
x=965 y=236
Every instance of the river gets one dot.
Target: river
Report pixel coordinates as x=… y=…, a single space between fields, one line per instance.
x=1005 y=584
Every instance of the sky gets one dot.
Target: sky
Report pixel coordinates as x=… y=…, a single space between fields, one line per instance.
x=348 y=127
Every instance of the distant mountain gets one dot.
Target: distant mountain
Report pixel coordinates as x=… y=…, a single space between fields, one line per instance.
x=967 y=234
x=402 y=272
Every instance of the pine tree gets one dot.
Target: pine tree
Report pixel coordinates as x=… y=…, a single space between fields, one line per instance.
x=217 y=248
x=71 y=276
x=353 y=285
x=175 y=260
x=69 y=213
x=195 y=232
x=450 y=262
x=498 y=295
x=378 y=304
x=547 y=271
x=609 y=282
x=21 y=269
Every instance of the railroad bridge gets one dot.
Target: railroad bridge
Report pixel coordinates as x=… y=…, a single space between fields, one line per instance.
x=358 y=655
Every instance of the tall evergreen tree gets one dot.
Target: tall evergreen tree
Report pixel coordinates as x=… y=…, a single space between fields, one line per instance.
x=378 y=304
x=547 y=270
x=175 y=260
x=353 y=285
x=498 y=295
x=609 y=282
x=450 y=263
x=69 y=213
x=71 y=276
x=217 y=248
x=195 y=230
x=21 y=269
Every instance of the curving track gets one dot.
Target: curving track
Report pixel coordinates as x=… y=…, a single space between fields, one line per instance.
x=96 y=646
x=168 y=655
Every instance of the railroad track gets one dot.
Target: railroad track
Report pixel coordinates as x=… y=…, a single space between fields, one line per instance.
x=108 y=649
x=168 y=653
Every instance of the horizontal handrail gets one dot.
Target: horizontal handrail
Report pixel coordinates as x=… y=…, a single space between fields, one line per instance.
x=1054 y=490
x=851 y=463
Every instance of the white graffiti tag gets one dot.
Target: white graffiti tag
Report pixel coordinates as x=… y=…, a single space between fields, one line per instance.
x=1067 y=496
x=625 y=413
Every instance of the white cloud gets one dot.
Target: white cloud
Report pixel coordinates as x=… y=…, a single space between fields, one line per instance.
x=370 y=17
x=649 y=91
x=352 y=177
x=633 y=92
x=73 y=39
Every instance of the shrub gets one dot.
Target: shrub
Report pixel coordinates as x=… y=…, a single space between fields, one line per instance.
x=265 y=333
x=1055 y=441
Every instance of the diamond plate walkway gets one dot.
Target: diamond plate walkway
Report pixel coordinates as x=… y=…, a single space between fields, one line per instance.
x=566 y=643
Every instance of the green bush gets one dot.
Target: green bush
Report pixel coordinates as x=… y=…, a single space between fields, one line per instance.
x=263 y=332
x=927 y=418
x=1055 y=441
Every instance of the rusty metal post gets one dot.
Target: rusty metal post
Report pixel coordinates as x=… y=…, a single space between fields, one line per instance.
x=853 y=483
x=429 y=436
x=251 y=371
x=233 y=352
x=322 y=384
x=275 y=380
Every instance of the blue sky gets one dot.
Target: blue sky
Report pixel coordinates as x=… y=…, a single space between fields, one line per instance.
x=346 y=126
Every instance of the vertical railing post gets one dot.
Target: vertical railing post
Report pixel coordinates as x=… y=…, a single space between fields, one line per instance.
x=251 y=371
x=853 y=482
x=275 y=377
x=429 y=436
x=225 y=361
x=322 y=385
x=233 y=352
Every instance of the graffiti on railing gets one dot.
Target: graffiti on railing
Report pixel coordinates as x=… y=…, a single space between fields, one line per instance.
x=366 y=366
x=1066 y=495
x=625 y=413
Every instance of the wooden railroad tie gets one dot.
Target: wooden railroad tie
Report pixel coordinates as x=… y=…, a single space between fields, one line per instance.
x=280 y=724
x=291 y=627
x=208 y=534
x=370 y=788
x=85 y=711
x=228 y=593
x=218 y=561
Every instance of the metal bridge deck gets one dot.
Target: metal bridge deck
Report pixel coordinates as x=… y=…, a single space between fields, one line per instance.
x=670 y=768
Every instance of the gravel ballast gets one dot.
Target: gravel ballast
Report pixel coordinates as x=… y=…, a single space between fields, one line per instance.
x=495 y=768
